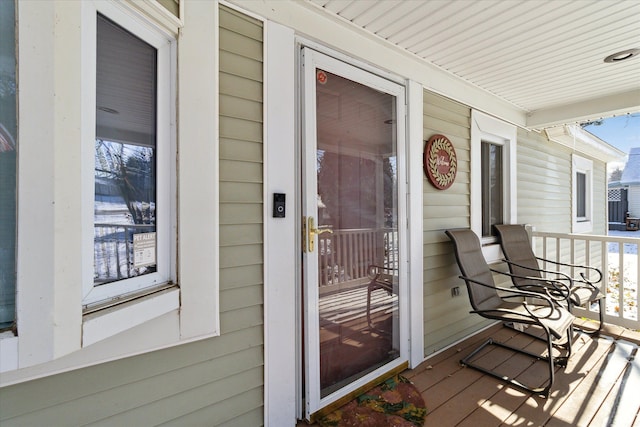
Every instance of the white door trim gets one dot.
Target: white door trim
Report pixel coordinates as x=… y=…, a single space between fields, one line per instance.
x=280 y=247
x=281 y=271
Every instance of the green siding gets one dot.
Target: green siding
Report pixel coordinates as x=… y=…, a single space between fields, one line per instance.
x=446 y=319
x=217 y=381
x=141 y=390
x=173 y=6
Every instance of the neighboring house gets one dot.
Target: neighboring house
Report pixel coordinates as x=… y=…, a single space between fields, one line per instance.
x=265 y=161
x=631 y=180
x=618 y=201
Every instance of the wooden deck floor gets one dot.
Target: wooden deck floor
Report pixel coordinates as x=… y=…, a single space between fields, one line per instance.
x=599 y=387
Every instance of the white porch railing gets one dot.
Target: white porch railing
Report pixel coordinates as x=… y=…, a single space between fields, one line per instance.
x=345 y=255
x=616 y=257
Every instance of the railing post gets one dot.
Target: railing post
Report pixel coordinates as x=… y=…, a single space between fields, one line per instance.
x=621 y=280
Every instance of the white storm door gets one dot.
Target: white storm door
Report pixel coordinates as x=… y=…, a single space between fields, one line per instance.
x=355 y=321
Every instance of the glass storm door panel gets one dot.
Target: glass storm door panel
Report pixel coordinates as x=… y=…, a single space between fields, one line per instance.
x=352 y=245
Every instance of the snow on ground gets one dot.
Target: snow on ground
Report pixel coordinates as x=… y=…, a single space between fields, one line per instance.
x=630 y=285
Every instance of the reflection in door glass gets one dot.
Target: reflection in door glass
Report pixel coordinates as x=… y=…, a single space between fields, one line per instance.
x=357 y=200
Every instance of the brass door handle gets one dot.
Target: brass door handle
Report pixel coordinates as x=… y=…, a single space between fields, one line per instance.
x=313 y=231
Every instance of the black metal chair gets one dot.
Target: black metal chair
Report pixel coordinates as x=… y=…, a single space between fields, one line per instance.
x=509 y=305
x=579 y=291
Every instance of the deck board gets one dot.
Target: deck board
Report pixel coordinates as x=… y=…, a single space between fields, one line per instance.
x=599 y=386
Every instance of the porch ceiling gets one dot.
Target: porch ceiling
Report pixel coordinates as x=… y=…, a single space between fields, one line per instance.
x=545 y=57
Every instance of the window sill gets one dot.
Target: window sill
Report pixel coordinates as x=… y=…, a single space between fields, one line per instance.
x=492 y=253
x=111 y=321
x=8 y=352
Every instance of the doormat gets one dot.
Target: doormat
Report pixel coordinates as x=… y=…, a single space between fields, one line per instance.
x=394 y=403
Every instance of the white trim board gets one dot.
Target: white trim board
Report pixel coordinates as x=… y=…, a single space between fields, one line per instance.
x=280 y=266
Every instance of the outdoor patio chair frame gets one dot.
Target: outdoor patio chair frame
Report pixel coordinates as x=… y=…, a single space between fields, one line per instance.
x=510 y=305
x=519 y=255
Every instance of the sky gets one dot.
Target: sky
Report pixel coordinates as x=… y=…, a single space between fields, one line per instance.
x=623 y=132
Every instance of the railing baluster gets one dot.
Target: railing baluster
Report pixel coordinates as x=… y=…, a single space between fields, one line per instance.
x=334 y=254
x=360 y=254
x=637 y=290
x=349 y=252
x=605 y=261
x=621 y=280
x=604 y=247
x=587 y=255
x=337 y=242
x=572 y=243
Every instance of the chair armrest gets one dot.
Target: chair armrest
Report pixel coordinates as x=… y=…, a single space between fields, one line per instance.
x=581 y=274
x=559 y=275
x=513 y=293
x=374 y=271
x=559 y=286
x=382 y=277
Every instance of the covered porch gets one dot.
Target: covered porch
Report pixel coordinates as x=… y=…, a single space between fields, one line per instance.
x=347 y=255
x=599 y=385
x=597 y=388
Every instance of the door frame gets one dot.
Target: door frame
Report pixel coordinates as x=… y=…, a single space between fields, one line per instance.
x=283 y=365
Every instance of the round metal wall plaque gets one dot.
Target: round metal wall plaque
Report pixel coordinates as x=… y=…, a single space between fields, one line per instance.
x=440 y=162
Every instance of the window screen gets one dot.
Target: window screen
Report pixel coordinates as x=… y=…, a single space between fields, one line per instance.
x=8 y=138
x=581 y=195
x=492 y=187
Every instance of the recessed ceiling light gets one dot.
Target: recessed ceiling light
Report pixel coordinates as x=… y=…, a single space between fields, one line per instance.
x=622 y=55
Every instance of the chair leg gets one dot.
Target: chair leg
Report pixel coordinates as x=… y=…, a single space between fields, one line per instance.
x=525 y=330
x=601 y=304
x=511 y=325
x=542 y=391
x=369 y=290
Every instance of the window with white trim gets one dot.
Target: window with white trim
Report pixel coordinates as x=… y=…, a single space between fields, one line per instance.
x=492 y=188
x=493 y=179
x=582 y=191
x=132 y=207
x=97 y=125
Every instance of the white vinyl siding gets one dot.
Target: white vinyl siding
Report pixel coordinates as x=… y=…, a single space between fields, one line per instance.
x=600 y=220
x=544 y=194
x=544 y=183
x=634 y=200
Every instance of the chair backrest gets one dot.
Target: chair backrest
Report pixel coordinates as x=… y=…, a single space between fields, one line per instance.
x=516 y=247
x=473 y=266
